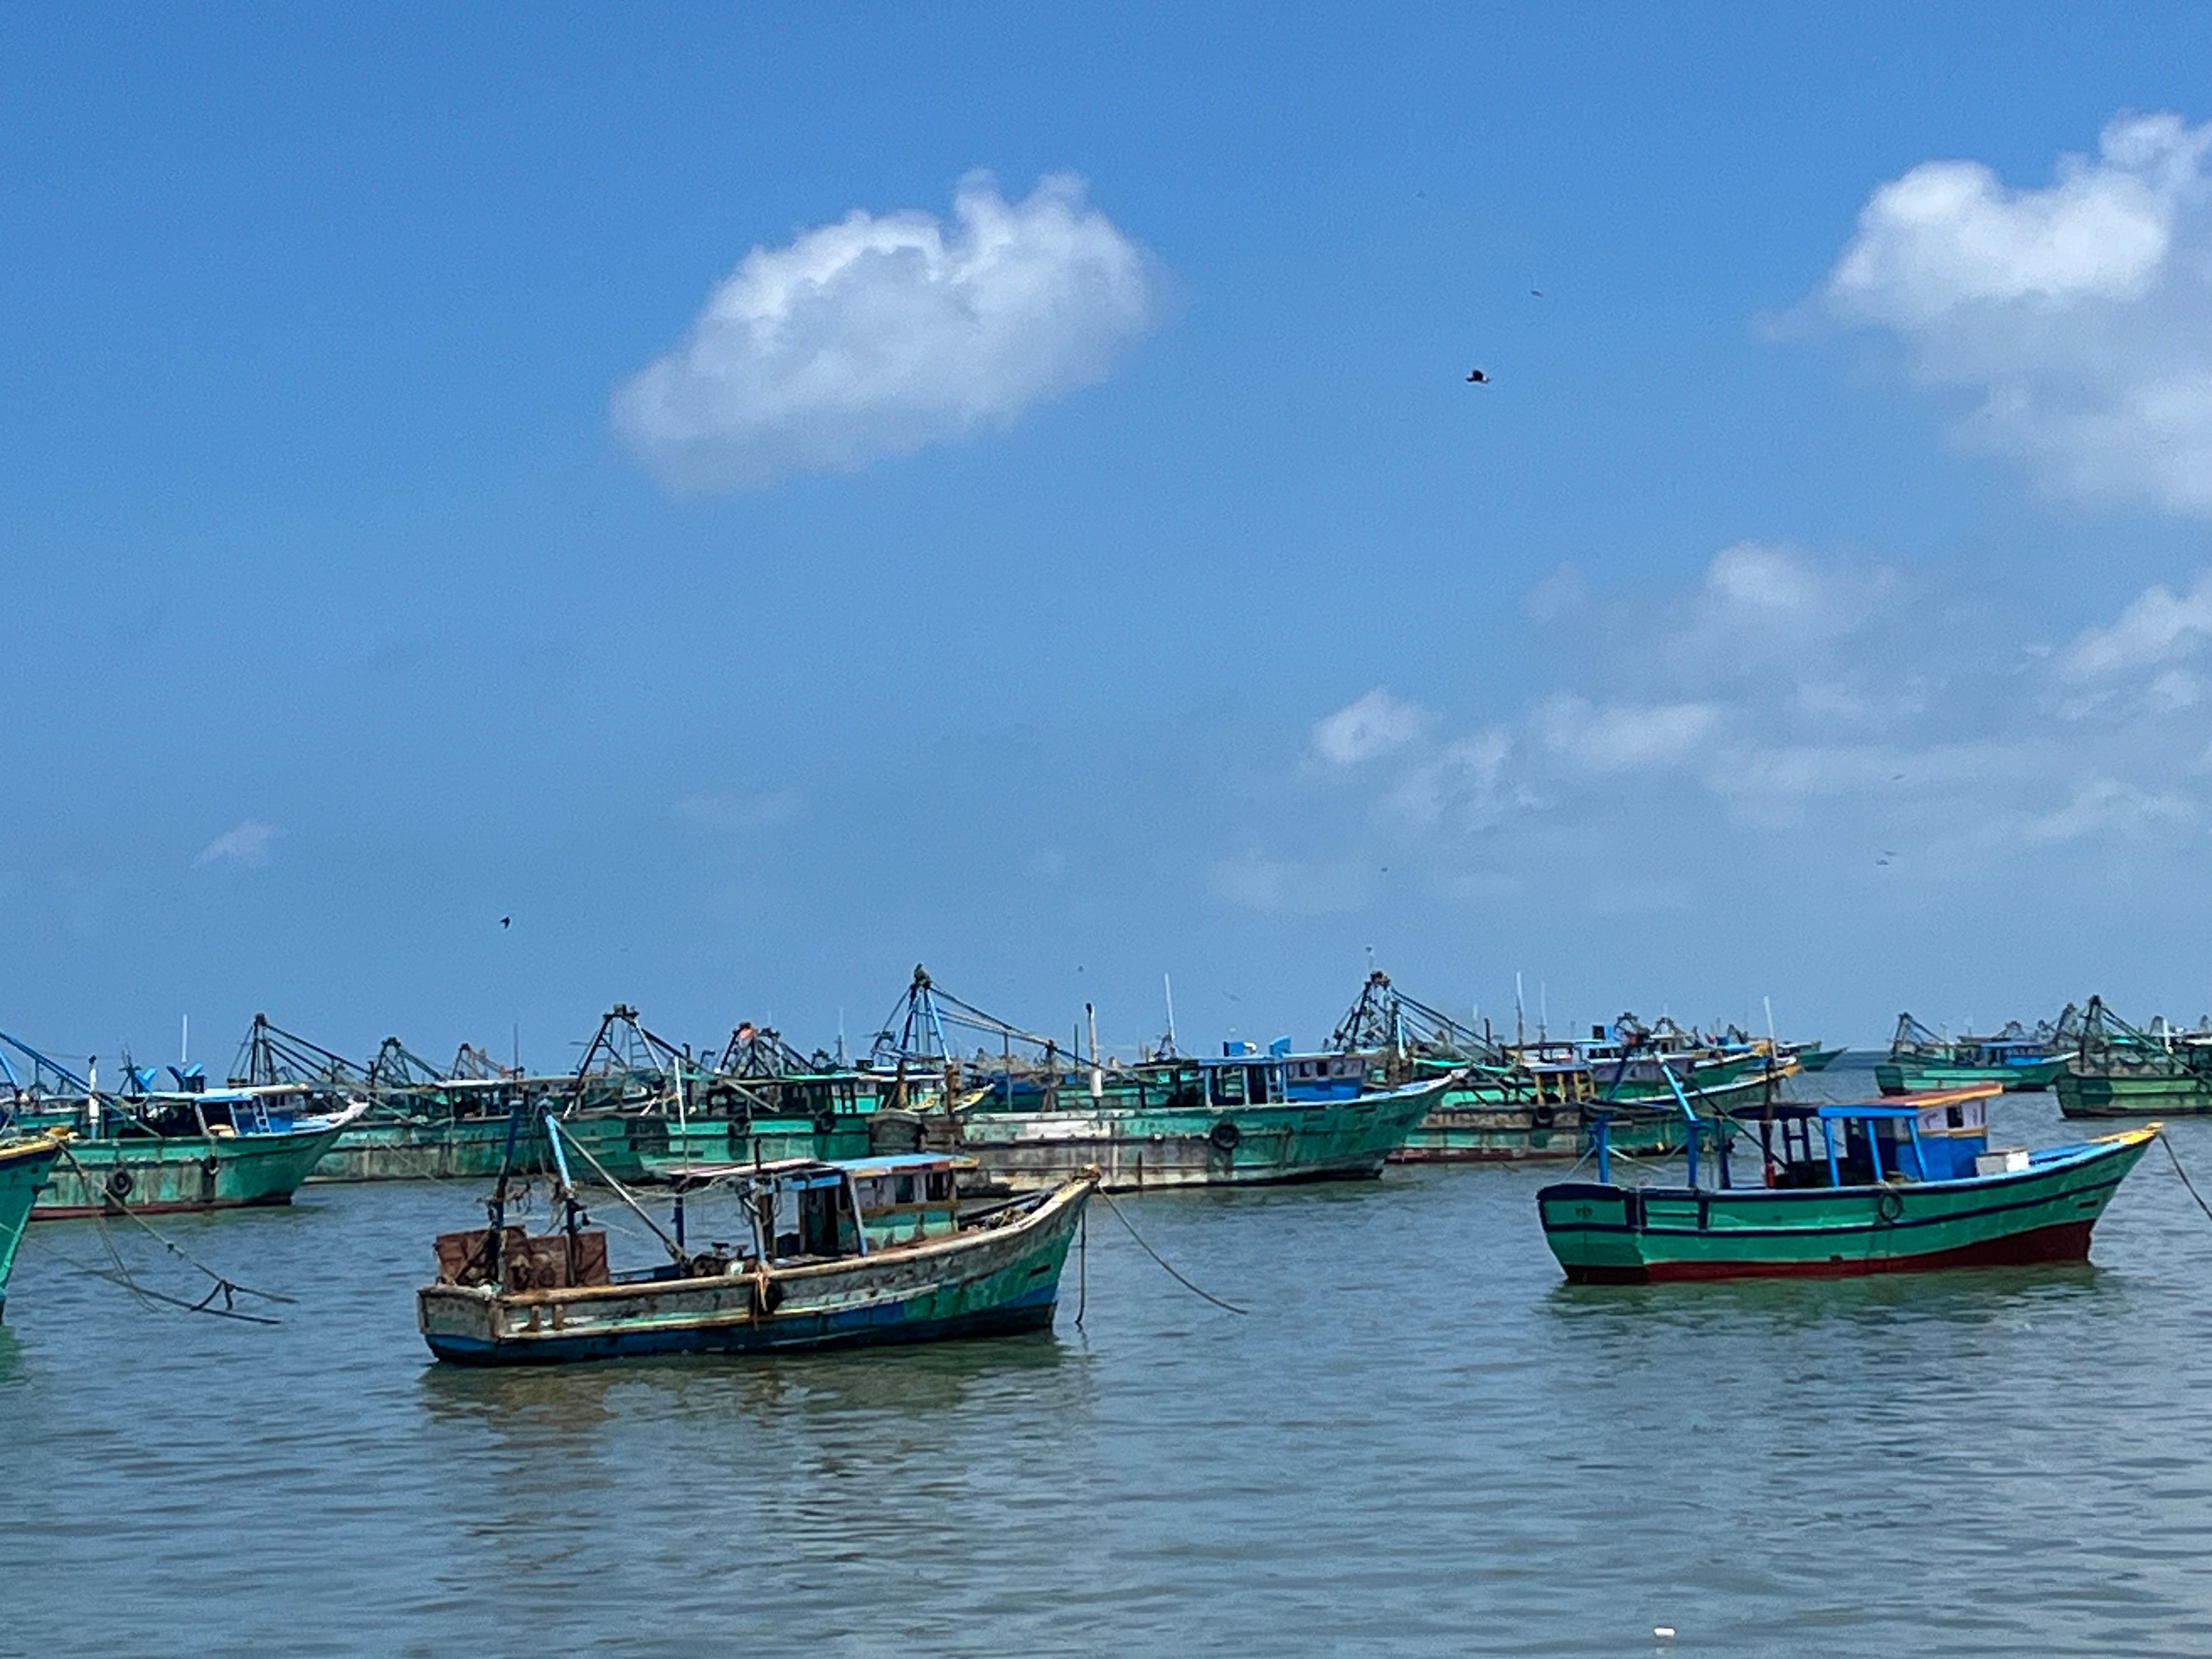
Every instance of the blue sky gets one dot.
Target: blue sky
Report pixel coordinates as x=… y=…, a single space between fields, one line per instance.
x=1809 y=607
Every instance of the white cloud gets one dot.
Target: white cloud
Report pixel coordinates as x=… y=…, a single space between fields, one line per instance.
x=1369 y=726
x=2079 y=315
x=2158 y=627
x=740 y=809
x=1624 y=737
x=246 y=843
x=876 y=335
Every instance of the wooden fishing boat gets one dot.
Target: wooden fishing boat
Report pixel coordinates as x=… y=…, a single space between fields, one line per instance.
x=25 y=1163
x=1920 y=1061
x=1191 y=1122
x=218 y=1151
x=2114 y=1070
x=1540 y=1113
x=813 y=1271
x=1897 y=1187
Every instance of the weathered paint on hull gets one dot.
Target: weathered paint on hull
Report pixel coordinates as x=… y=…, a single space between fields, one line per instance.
x=23 y=1169
x=1510 y=1135
x=1613 y=1235
x=154 y=1176
x=460 y=1149
x=2122 y=1096
x=1466 y=1128
x=985 y=1284
x=1894 y=1078
x=722 y=1141
x=1138 y=1150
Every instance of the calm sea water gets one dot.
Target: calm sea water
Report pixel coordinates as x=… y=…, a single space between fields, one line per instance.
x=1418 y=1440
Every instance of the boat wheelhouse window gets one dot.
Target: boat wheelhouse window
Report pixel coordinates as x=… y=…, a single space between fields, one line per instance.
x=904 y=1192
x=1256 y=1079
x=939 y=1183
x=1228 y=1083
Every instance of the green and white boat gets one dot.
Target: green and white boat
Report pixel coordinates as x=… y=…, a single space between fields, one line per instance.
x=1842 y=1190
x=2016 y=1060
x=226 y=1149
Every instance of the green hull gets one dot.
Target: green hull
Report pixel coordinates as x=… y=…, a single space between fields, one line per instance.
x=1196 y=1145
x=24 y=1167
x=764 y=1139
x=150 y=1175
x=1817 y=1060
x=1473 y=1125
x=1605 y=1234
x=1919 y=1078
x=468 y=1148
x=990 y=1282
x=2133 y=1095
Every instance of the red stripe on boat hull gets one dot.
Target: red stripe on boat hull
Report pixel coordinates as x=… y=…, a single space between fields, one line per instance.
x=2066 y=1240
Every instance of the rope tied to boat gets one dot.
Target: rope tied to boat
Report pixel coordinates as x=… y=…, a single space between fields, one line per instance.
x=1165 y=1265
x=228 y=1289
x=2175 y=1158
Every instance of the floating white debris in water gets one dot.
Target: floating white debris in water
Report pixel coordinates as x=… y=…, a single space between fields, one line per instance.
x=1663 y=1632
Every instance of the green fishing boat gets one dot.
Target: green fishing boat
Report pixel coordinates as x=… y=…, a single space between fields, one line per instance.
x=1846 y=1190
x=1812 y=1057
x=24 y=1166
x=811 y=1269
x=1920 y=1062
x=221 y=1153
x=1538 y=1114
x=2117 y=1070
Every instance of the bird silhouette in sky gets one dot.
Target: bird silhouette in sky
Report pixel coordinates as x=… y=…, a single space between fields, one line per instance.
x=1476 y=376
x=1536 y=293
x=1882 y=861
x=507 y=921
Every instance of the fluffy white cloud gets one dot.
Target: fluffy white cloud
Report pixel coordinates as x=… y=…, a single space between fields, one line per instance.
x=1896 y=728
x=1624 y=737
x=2079 y=315
x=2157 y=627
x=245 y=843
x=876 y=335
x=1373 y=724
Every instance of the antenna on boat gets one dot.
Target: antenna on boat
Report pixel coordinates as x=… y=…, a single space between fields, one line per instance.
x=1167 y=989
x=1543 y=1010
x=185 y=1043
x=1097 y=1077
x=1520 y=1024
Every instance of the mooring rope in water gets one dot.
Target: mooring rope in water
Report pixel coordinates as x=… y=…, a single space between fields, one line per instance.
x=1165 y=1265
x=2176 y=1159
x=222 y=1285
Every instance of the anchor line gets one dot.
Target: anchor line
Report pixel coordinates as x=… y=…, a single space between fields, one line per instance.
x=2176 y=1158
x=1167 y=1267
x=225 y=1286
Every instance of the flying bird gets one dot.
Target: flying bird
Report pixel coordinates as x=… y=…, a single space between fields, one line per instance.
x=1476 y=376
x=507 y=921
x=1882 y=861
x=1537 y=292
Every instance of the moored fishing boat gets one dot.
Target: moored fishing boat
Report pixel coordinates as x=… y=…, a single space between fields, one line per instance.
x=1811 y=1056
x=222 y=1150
x=1920 y=1061
x=25 y=1163
x=1225 y=1123
x=2114 y=1070
x=806 y=1273
x=1896 y=1187
x=1530 y=1101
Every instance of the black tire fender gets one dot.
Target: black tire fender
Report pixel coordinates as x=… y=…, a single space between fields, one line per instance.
x=1224 y=1136
x=1890 y=1205
x=119 y=1182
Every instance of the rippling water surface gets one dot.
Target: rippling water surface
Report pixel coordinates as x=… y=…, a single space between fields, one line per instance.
x=1420 y=1439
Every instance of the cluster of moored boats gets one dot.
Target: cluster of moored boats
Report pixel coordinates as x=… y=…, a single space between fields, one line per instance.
x=932 y=1186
